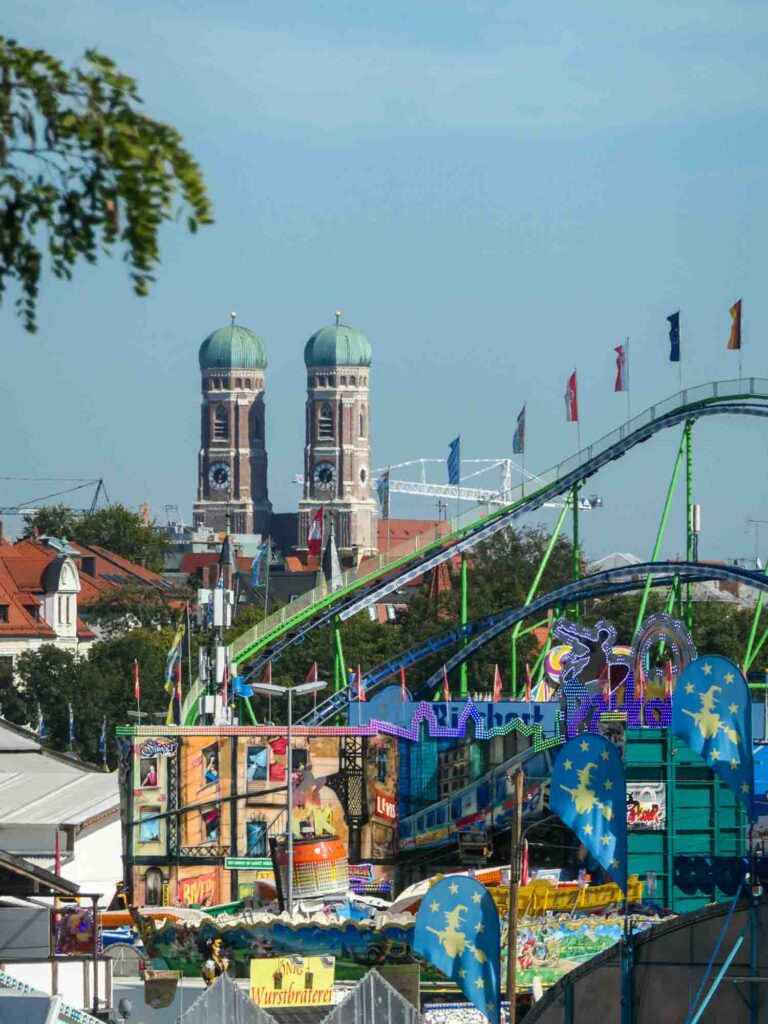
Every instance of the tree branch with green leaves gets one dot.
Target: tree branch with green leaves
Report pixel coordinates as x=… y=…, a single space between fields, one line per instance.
x=84 y=172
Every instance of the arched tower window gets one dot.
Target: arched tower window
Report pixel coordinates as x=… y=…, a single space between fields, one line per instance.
x=325 y=423
x=382 y=763
x=256 y=429
x=220 y=424
x=153 y=885
x=362 y=424
x=353 y=382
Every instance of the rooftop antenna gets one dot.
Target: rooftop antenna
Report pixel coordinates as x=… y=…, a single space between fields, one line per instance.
x=338 y=315
x=233 y=315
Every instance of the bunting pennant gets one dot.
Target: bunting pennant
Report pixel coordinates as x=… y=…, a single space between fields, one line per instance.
x=734 y=341
x=674 y=337
x=312 y=675
x=446 y=689
x=712 y=712
x=360 y=688
x=403 y=691
x=589 y=794
x=457 y=930
x=496 y=684
x=454 y=461
x=136 y=680
x=571 y=400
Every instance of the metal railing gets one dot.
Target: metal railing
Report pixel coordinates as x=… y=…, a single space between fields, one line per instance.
x=225 y=1003
x=374 y=1001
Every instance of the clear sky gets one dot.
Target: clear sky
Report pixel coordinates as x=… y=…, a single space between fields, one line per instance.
x=493 y=193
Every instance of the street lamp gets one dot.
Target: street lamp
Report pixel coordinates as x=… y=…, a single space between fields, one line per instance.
x=302 y=688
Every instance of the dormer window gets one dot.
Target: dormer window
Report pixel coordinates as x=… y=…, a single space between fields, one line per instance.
x=3 y=612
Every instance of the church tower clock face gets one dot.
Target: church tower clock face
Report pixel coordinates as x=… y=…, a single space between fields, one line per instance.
x=325 y=476
x=219 y=476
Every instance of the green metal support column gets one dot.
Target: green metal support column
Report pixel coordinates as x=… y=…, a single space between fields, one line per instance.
x=531 y=594
x=463 y=685
x=751 y=652
x=689 y=534
x=339 y=669
x=669 y=851
x=662 y=528
x=576 y=546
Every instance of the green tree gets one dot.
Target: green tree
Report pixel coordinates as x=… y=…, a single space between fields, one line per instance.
x=115 y=528
x=83 y=170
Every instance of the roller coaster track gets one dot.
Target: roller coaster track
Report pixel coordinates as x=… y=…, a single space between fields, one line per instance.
x=362 y=588
x=483 y=631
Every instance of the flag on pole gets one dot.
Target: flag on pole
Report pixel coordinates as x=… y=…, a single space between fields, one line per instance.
x=71 y=727
x=446 y=689
x=360 y=688
x=518 y=439
x=41 y=730
x=668 y=679
x=103 y=740
x=622 y=369
x=382 y=493
x=571 y=400
x=315 y=536
x=712 y=712
x=312 y=675
x=457 y=930
x=267 y=673
x=588 y=792
x=454 y=461
x=403 y=691
x=331 y=565
x=258 y=559
x=136 y=681
x=224 y=685
x=174 y=653
x=525 y=869
x=496 y=684
x=528 y=682
x=734 y=341
x=674 y=337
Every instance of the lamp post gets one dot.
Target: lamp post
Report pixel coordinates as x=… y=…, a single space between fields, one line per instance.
x=289 y=691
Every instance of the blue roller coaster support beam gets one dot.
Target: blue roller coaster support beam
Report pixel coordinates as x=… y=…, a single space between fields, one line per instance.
x=661 y=530
x=532 y=593
x=576 y=546
x=463 y=685
x=690 y=536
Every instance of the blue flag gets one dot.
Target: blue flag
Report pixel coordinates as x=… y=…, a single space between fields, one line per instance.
x=71 y=727
x=457 y=930
x=454 y=461
x=674 y=337
x=382 y=493
x=712 y=712
x=240 y=688
x=261 y=554
x=518 y=440
x=103 y=740
x=589 y=794
x=41 y=730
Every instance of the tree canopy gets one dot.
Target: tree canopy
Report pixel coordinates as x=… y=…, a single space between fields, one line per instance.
x=84 y=171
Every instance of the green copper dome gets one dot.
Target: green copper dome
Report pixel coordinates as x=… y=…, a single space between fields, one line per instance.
x=233 y=348
x=338 y=345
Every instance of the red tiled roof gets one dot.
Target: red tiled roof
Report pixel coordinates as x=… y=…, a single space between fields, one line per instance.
x=395 y=531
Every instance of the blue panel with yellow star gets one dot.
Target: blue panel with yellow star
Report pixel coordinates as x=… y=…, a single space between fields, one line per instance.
x=712 y=712
x=589 y=794
x=457 y=930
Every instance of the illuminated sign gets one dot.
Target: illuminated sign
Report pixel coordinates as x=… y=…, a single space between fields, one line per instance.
x=385 y=806
x=158 y=748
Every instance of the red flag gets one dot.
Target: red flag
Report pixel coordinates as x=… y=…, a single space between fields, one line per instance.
x=622 y=369
x=312 y=676
x=571 y=400
x=605 y=681
x=267 y=673
x=668 y=678
x=315 y=535
x=496 y=684
x=639 y=683
x=136 y=683
x=360 y=688
x=403 y=691
x=528 y=682
x=525 y=870
x=178 y=680
x=734 y=342
x=446 y=689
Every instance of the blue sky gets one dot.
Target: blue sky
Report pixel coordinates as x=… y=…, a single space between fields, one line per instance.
x=492 y=193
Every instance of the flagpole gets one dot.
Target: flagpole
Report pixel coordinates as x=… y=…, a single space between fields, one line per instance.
x=514 y=881
x=629 y=407
x=578 y=416
x=458 y=485
x=188 y=627
x=267 y=556
x=522 y=474
x=389 y=508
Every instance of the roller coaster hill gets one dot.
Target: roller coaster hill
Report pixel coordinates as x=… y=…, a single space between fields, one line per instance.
x=456 y=758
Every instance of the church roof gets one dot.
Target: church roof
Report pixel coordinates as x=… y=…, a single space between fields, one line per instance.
x=338 y=345
x=233 y=348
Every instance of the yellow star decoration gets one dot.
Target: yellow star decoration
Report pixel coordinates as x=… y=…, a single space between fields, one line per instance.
x=707 y=670
x=584 y=746
x=434 y=906
x=608 y=784
x=476 y=897
x=728 y=677
x=480 y=983
x=567 y=764
x=606 y=840
x=491 y=1007
x=715 y=755
x=605 y=755
x=614 y=863
x=745 y=787
x=454 y=888
x=689 y=687
x=587 y=830
x=462 y=973
x=733 y=708
x=479 y=927
x=734 y=763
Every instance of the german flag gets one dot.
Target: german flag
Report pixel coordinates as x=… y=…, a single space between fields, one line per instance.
x=734 y=342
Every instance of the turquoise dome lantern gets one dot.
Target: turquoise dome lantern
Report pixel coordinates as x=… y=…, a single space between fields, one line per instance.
x=337 y=345
x=233 y=348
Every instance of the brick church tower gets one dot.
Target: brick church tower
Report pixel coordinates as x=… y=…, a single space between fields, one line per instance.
x=233 y=454
x=337 y=451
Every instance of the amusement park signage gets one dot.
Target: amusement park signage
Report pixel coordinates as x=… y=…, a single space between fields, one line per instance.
x=158 y=748
x=248 y=863
x=292 y=980
x=385 y=806
x=646 y=806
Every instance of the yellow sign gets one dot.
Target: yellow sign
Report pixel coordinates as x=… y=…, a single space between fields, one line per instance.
x=292 y=981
